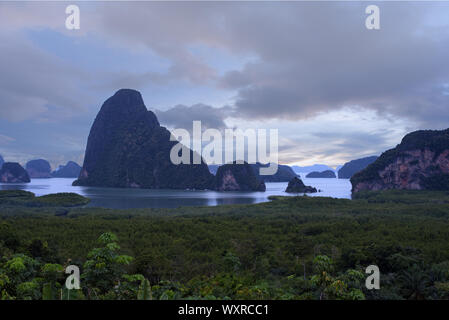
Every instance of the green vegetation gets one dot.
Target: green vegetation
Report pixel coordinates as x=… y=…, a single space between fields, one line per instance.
x=403 y=196
x=290 y=248
x=28 y=199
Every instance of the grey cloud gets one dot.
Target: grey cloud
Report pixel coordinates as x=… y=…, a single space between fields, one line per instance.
x=187 y=69
x=182 y=116
x=398 y=70
x=309 y=58
x=168 y=29
x=35 y=84
x=356 y=143
x=337 y=147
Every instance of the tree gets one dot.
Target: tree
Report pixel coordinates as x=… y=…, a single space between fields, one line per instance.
x=414 y=283
x=104 y=269
x=51 y=273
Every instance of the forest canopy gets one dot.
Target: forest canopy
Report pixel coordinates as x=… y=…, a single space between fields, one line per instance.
x=273 y=250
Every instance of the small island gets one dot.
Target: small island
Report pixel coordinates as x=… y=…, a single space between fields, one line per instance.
x=322 y=174
x=70 y=170
x=297 y=186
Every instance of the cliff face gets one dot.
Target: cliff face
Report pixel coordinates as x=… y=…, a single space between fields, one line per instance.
x=128 y=148
x=420 y=161
x=237 y=177
x=38 y=169
x=352 y=167
x=12 y=172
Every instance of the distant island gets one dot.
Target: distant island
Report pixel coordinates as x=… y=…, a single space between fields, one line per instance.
x=283 y=174
x=352 y=167
x=70 y=170
x=308 y=169
x=323 y=174
x=39 y=168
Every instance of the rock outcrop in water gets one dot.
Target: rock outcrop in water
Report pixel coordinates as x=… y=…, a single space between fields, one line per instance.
x=12 y=172
x=70 y=170
x=237 y=177
x=283 y=174
x=297 y=186
x=2 y=161
x=39 y=168
x=323 y=174
x=420 y=161
x=128 y=148
x=352 y=167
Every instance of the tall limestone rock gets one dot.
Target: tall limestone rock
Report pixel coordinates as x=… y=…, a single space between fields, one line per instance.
x=128 y=148
x=2 y=161
x=420 y=161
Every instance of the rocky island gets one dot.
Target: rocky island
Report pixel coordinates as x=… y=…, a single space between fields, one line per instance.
x=297 y=186
x=419 y=162
x=70 y=170
x=128 y=148
x=238 y=177
x=283 y=174
x=13 y=172
x=323 y=174
x=39 y=168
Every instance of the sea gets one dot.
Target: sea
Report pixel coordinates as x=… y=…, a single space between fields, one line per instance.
x=118 y=198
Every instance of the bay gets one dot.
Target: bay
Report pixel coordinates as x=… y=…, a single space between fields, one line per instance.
x=120 y=198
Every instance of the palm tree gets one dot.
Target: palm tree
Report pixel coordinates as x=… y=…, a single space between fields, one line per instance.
x=414 y=283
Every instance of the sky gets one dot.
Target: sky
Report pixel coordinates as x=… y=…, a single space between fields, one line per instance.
x=335 y=90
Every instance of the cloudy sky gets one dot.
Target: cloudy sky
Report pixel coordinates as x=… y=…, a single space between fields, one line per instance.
x=335 y=90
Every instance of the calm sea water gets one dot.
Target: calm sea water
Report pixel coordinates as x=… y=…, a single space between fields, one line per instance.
x=145 y=198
